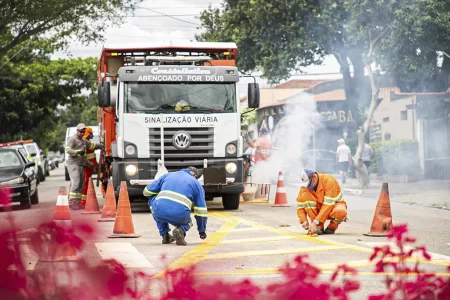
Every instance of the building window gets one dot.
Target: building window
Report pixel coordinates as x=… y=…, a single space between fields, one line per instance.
x=387 y=136
x=404 y=115
x=385 y=120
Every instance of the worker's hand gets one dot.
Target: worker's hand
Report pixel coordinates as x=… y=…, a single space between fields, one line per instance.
x=100 y=146
x=81 y=153
x=203 y=235
x=305 y=225
x=312 y=228
x=90 y=165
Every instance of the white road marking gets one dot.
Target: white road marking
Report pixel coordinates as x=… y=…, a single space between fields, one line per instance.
x=434 y=256
x=125 y=253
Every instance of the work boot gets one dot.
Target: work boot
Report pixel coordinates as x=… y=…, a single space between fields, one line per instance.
x=75 y=205
x=320 y=231
x=178 y=233
x=167 y=239
x=329 y=231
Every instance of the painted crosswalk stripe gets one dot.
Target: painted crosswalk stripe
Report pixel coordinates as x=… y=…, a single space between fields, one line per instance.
x=125 y=253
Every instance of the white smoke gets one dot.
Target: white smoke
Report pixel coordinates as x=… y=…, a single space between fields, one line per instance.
x=291 y=137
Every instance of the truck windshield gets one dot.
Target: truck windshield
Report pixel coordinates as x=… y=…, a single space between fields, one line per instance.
x=180 y=97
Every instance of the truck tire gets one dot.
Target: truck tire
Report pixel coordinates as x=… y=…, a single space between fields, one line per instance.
x=67 y=174
x=231 y=201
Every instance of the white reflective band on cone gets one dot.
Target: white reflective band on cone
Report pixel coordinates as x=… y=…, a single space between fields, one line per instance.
x=281 y=178
x=281 y=190
x=62 y=200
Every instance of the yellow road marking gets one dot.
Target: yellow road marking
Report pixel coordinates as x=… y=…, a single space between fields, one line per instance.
x=279 y=231
x=247 y=229
x=198 y=252
x=277 y=271
x=270 y=252
x=255 y=240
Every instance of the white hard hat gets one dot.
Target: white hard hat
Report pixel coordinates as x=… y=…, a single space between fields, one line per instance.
x=304 y=177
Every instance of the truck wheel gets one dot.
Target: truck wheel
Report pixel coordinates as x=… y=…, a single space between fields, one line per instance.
x=231 y=201
x=67 y=175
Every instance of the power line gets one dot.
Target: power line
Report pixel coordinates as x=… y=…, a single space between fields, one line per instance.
x=167 y=15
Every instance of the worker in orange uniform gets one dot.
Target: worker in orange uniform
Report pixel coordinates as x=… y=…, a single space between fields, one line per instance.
x=320 y=200
x=90 y=156
x=263 y=146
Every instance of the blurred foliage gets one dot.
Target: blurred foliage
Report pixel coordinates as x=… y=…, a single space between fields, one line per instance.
x=249 y=118
x=399 y=157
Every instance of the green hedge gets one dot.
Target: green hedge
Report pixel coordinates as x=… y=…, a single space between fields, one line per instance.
x=399 y=157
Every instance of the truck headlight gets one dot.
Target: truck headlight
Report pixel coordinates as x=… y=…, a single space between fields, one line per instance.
x=230 y=167
x=231 y=149
x=130 y=150
x=131 y=170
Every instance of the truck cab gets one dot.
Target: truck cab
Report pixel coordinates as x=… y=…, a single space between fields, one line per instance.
x=173 y=106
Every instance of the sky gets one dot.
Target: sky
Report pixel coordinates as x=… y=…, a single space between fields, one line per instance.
x=153 y=26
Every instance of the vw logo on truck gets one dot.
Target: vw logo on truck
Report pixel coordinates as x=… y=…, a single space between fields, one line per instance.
x=181 y=140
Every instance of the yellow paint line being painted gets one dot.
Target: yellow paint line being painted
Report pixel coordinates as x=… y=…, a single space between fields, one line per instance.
x=270 y=252
x=303 y=237
x=255 y=240
x=198 y=252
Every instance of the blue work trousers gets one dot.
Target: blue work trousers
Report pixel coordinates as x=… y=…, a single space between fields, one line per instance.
x=176 y=216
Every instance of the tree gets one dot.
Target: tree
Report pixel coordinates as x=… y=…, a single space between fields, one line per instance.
x=86 y=20
x=34 y=87
x=399 y=37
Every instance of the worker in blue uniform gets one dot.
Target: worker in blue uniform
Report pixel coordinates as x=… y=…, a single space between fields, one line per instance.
x=170 y=199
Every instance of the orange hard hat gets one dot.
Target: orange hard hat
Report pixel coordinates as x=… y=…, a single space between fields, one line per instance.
x=88 y=132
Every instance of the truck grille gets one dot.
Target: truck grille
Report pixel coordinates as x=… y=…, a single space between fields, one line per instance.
x=202 y=146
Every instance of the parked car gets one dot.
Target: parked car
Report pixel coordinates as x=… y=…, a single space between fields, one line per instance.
x=31 y=157
x=18 y=173
x=53 y=160
x=42 y=160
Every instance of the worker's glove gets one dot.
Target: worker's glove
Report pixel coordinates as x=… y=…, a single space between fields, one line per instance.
x=203 y=235
x=100 y=146
x=90 y=165
x=81 y=153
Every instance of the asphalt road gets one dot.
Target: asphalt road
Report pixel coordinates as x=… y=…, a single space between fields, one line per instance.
x=251 y=242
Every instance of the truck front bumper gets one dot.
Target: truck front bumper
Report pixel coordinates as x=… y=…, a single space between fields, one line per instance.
x=215 y=179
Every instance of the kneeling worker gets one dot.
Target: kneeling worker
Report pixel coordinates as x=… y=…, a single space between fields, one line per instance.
x=320 y=200
x=170 y=200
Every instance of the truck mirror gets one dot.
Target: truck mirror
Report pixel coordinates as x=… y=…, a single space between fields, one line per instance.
x=106 y=94
x=100 y=94
x=253 y=95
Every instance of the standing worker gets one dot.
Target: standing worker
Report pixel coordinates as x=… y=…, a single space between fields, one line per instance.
x=170 y=200
x=263 y=146
x=343 y=158
x=90 y=156
x=366 y=156
x=320 y=200
x=76 y=148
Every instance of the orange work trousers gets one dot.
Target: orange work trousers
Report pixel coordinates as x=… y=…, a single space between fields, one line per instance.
x=87 y=175
x=337 y=215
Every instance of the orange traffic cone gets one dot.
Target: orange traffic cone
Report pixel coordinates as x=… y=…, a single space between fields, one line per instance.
x=109 y=208
x=91 y=200
x=280 y=197
x=382 y=219
x=123 y=226
x=58 y=251
x=62 y=211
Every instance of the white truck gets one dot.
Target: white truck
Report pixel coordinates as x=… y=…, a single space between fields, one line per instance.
x=167 y=106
